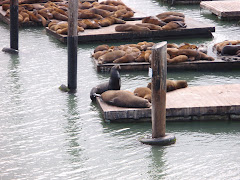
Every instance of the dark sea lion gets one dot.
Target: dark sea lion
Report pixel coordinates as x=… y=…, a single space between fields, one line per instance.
x=114 y=83
x=230 y=50
x=130 y=27
x=123 y=98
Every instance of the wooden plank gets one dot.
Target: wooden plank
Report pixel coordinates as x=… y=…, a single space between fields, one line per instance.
x=223 y=9
x=194 y=28
x=191 y=103
x=172 y=2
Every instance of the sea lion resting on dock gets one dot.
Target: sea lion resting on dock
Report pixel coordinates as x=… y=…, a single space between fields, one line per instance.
x=173 y=84
x=114 y=83
x=230 y=50
x=123 y=98
x=190 y=53
x=130 y=27
x=146 y=93
x=219 y=46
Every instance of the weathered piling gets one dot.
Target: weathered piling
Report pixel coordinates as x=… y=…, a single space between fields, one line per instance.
x=159 y=88
x=13 y=28
x=72 y=43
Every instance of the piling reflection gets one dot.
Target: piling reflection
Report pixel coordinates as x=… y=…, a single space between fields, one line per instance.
x=73 y=130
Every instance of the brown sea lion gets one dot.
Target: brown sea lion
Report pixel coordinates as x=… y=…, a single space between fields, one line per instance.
x=187 y=46
x=122 y=98
x=111 y=56
x=153 y=20
x=130 y=27
x=101 y=48
x=107 y=7
x=172 y=18
x=102 y=12
x=97 y=54
x=147 y=55
x=194 y=54
x=177 y=59
x=141 y=57
x=59 y=16
x=173 y=84
x=145 y=45
x=5 y=7
x=114 y=83
x=172 y=45
x=143 y=92
x=166 y=14
x=90 y=24
x=150 y=26
x=230 y=50
x=174 y=25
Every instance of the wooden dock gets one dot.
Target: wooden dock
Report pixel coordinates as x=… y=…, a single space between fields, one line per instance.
x=218 y=102
x=201 y=65
x=223 y=9
x=194 y=29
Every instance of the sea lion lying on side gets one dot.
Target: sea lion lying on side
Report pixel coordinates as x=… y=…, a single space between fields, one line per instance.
x=172 y=84
x=130 y=27
x=174 y=25
x=153 y=20
x=111 y=56
x=123 y=98
x=169 y=13
x=177 y=59
x=219 y=46
x=114 y=83
x=230 y=50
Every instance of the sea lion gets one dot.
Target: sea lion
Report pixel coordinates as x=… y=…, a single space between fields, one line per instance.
x=173 y=84
x=111 y=56
x=59 y=16
x=101 y=48
x=131 y=54
x=90 y=24
x=101 y=12
x=230 y=50
x=174 y=25
x=172 y=45
x=202 y=48
x=153 y=20
x=123 y=98
x=130 y=27
x=97 y=54
x=166 y=14
x=187 y=46
x=194 y=54
x=172 y=18
x=114 y=83
x=143 y=92
x=219 y=46
x=150 y=26
x=177 y=59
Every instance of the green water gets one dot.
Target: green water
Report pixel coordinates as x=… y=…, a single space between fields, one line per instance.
x=47 y=134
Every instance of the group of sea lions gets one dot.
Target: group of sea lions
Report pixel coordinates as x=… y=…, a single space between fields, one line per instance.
x=141 y=97
x=90 y=15
x=186 y=52
x=228 y=47
x=163 y=21
x=141 y=52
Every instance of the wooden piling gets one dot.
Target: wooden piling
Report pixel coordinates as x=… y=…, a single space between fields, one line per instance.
x=72 y=43
x=159 y=88
x=14 y=24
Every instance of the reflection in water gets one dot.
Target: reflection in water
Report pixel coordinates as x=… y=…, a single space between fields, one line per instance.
x=72 y=129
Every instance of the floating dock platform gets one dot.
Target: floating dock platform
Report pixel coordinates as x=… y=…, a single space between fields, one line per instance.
x=194 y=29
x=230 y=63
x=223 y=9
x=218 y=102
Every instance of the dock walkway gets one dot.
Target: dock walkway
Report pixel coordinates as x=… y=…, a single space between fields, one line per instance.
x=218 y=102
x=223 y=9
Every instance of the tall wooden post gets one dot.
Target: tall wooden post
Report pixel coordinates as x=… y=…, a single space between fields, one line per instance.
x=72 y=43
x=159 y=88
x=14 y=24
x=13 y=28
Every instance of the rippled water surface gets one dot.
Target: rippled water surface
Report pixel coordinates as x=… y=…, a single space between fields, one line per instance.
x=47 y=134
